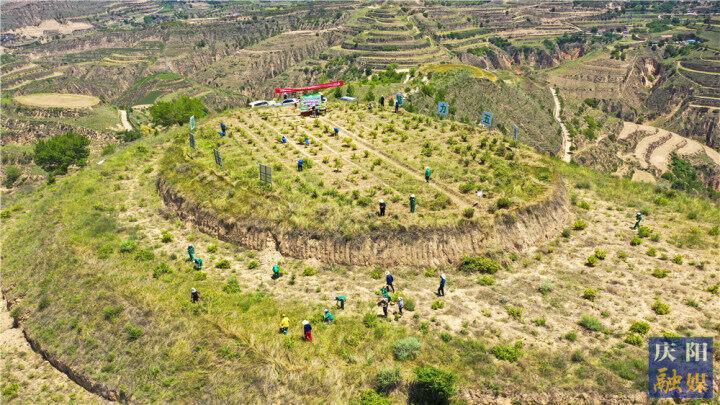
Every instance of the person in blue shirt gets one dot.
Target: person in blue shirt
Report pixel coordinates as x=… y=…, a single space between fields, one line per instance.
x=222 y=129
x=400 y=304
x=307 y=330
x=300 y=165
x=389 y=281
x=441 y=289
x=284 y=139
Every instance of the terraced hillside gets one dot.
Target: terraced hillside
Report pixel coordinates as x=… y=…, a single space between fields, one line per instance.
x=108 y=297
x=388 y=35
x=331 y=206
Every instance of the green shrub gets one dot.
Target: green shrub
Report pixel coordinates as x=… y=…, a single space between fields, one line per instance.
x=438 y=304
x=166 y=237
x=644 y=231
x=376 y=273
x=635 y=241
x=546 y=287
x=590 y=294
x=590 y=323
x=514 y=312
x=468 y=213
x=309 y=271
x=640 y=327
x=59 y=152
x=370 y=320
x=503 y=202
x=177 y=111
x=633 y=339
x=370 y=397
x=714 y=231
x=128 y=246
x=660 y=307
x=509 y=353
x=570 y=336
x=660 y=273
x=406 y=348
x=566 y=233
x=10 y=391
x=484 y=265
x=591 y=261
x=601 y=254
x=582 y=185
x=253 y=264
x=714 y=289
x=622 y=255
x=432 y=386
x=223 y=264
x=539 y=321
x=486 y=280
x=579 y=225
x=387 y=379
x=584 y=205
x=110 y=313
x=652 y=252
x=677 y=259
x=12 y=173
x=409 y=303
x=162 y=268
x=231 y=286
x=133 y=332
x=212 y=248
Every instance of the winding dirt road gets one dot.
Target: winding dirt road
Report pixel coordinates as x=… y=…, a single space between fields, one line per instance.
x=565 y=134
x=124 y=119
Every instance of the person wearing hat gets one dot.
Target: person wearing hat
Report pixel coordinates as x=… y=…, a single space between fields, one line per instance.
x=441 y=289
x=400 y=304
x=389 y=281
x=194 y=295
x=383 y=205
x=284 y=324
x=329 y=317
x=198 y=263
x=413 y=203
x=638 y=218
x=283 y=139
x=428 y=172
x=384 y=302
x=307 y=330
x=340 y=301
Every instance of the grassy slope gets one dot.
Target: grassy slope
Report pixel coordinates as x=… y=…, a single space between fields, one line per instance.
x=521 y=103
x=227 y=348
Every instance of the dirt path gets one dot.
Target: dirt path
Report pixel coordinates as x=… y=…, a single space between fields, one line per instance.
x=26 y=377
x=455 y=196
x=124 y=119
x=566 y=144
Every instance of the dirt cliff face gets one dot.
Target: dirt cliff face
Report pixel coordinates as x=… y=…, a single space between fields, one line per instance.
x=518 y=230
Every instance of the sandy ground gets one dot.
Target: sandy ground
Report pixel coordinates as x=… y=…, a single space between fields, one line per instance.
x=58 y=100
x=26 y=378
x=35 y=31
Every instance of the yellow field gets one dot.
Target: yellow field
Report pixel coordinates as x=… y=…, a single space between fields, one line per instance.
x=58 y=100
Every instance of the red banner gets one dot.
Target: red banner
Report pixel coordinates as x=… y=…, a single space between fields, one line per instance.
x=338 y=83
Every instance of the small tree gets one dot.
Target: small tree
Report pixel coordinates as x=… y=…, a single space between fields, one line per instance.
x=56 y=154
x=177 y=111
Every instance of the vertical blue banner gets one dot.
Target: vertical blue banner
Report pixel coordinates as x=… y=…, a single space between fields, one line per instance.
x=442 y=108
x=192 y=123
x=680 y=367
x=192 y=140
x=487 y=119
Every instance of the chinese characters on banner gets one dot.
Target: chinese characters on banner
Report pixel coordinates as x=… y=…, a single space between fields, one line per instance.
x=680 y=367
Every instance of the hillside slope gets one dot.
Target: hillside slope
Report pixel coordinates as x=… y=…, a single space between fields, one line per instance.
x=108 y=297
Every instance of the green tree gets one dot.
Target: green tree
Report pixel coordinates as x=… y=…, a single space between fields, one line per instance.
x=12 y=173
x=56 y=154
x=177 y=111
x=350 y=91
x=432 y=386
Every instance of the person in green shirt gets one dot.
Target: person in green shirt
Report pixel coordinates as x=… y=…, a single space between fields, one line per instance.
x=340 y=301
x=198 y=262
x=329 y=318
x=276 y=271
x=428 y=172
x=385 y=293
x=191 y=252
x=413 y=203
x=638 y=218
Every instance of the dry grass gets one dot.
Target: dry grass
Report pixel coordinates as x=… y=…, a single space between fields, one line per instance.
x=57 y=100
